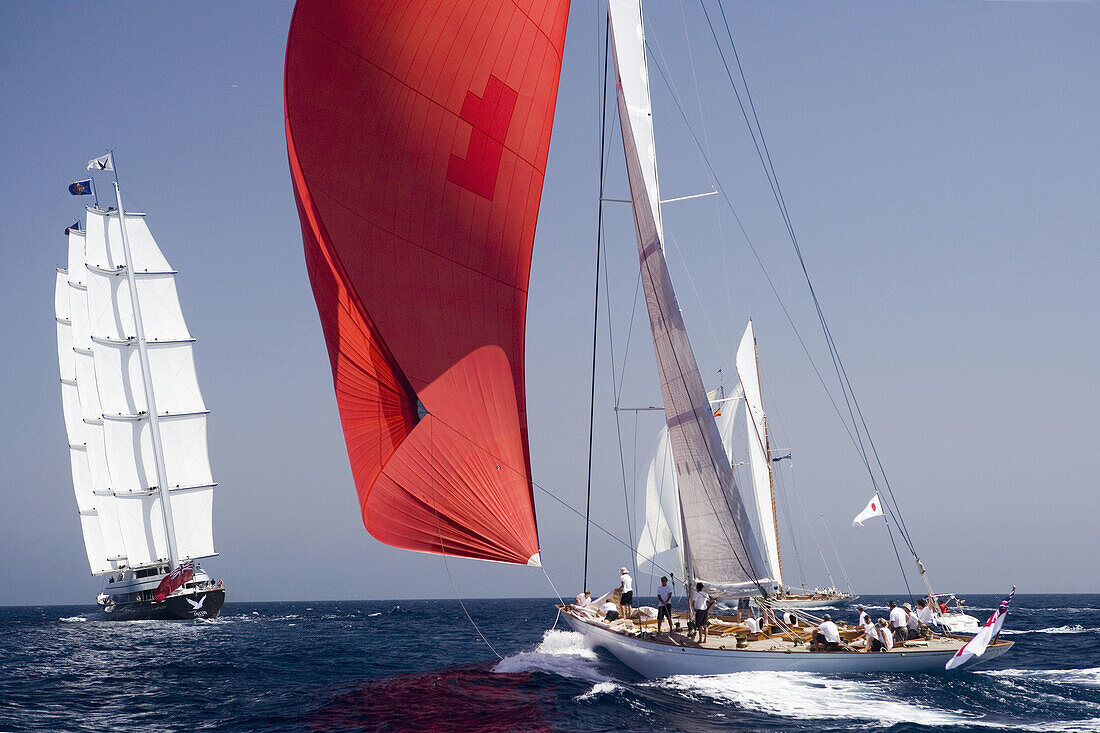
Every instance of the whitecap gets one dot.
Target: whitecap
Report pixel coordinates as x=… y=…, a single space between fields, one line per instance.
x=376 y=613
x=600 y=688
x=807 y=696
x=1068 y=629
x=72 y=619
x=1089 y=677
x=562 y=653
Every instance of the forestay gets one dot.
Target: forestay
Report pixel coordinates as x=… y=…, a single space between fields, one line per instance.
x=720 y=548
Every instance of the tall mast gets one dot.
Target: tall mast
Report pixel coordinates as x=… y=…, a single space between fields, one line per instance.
x=147 y=382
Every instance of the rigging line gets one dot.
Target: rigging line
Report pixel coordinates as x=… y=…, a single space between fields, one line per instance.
x=836 y=553
x=699 y=297
x=902 y=528
x=618 y=423
x=596 y=302
x=764 y=272
x=597 y=525
x=442 y=546
x=706 y=143
x=908 y=591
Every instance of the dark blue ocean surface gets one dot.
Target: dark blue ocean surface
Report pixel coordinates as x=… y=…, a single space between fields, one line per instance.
x=419 y=665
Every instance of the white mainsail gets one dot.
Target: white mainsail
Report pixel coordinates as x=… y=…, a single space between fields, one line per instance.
x=105 y=402
x=720 y=547
x=748 y=370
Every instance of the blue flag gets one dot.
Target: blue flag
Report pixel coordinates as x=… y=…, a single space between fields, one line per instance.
x=74 y=228
x=81 y=188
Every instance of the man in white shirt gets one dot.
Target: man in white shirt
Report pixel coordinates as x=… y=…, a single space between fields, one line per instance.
x=870 y=635
x=664 y=604
x=863 y=617
x=924 y=613
x=828 y=634
x=701 y=603
x=898 y=622
x=626 y=593
x=610 y=611
x=912 y=623
x=584 y=599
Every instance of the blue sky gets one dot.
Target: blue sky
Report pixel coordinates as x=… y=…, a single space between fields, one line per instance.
x=939 y=161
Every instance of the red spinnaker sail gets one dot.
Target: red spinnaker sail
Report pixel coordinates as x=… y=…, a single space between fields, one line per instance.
x=418 y=132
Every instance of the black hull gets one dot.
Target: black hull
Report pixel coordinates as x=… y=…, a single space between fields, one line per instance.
x=203 y=604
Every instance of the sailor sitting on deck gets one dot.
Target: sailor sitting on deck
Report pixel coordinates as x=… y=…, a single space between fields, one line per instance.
x=584 y=599
x=871 y=641
x=827 y=634
x=924 y=615
x=885 y=638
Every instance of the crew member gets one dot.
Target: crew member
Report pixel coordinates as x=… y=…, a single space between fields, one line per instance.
x=701 y=603
x=827 y=634
x=626 y=593
x=664 y=604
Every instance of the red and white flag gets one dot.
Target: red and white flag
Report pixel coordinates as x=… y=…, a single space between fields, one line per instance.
x=174 y=580
x=874 y=509
x=976 y=646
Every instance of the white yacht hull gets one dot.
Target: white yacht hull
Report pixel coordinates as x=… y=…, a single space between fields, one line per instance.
x=654 y=660
x=817 y=602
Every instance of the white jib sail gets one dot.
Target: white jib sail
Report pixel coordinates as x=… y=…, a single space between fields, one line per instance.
x=759 y=450
x=720 y=545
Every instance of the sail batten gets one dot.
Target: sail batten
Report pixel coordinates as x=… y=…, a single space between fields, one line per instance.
x=417 y=134
x=721 y=547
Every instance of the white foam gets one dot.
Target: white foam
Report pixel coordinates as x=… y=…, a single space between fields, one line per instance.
x=808 y=696
x=562 y=653
x=1088 y=677
x=1069 y=629
x=72 y=619
x=600 y=688
x=376 y=613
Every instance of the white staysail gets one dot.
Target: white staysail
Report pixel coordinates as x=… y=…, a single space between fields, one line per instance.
x=124 y=469
x=759 y=451
x=720 y=548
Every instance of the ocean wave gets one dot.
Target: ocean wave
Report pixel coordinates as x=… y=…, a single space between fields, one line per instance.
x=376 y=613
x=807 y=696
x=562 y=653
x=1069 y=629
x=72 y=619
x=1089 y=677
x=600 y=688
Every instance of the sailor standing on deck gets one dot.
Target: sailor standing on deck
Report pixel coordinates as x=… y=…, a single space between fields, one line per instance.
x=863 y=617
x=626 y=593
x=664 y=604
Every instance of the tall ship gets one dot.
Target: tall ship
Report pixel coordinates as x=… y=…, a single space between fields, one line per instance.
x=135 y=419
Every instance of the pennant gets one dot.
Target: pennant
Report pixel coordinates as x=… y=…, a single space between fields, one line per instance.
x=81 y=188
x=105 y=163
x=976 y=647
x=74 y=228
x=873 y=509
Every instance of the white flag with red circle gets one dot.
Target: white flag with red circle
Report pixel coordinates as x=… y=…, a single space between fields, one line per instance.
x=874 y=509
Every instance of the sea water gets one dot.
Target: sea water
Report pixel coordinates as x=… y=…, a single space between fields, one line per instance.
x=421 y=665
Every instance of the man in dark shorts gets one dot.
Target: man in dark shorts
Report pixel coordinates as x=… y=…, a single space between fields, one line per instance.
x=701 y=603
x=664 y=604
x=626 y=594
